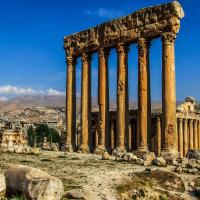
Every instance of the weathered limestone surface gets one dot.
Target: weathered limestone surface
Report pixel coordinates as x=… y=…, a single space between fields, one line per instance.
x=180 y=137
x=70 y=94
x=143 y=93
x=195 y=135
x=169 y=93
x=32 y=183
x=158 y=136
x=141 y=26
x=122 y=51
x=191 y=134
x=103 y=100
x=185 y=137
x=85 y=102
x=149 y=22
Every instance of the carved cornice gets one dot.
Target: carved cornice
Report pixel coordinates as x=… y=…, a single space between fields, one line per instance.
x=149 y=22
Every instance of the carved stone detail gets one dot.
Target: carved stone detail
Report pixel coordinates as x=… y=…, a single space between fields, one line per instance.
x=168 y=38
x=149 y=22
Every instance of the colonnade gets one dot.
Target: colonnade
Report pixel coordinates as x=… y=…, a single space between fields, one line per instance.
x=188 y=134
x=144 y=100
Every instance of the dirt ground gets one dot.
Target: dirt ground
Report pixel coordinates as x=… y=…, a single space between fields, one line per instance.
x=86 y=173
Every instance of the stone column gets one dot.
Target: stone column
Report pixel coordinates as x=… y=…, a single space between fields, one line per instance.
x=198 y=134
x=85 y=103
x=180 y=137
x=158 y=136
x=130 y=136
x=169 y=95
x=70 y=95
x=112 y=135
x=143 y=95
x=103 y=99
x=96 y=132
x=191 y=135
x=149 y=94
x=122 y=55
x=185 y=137
x=195 y=135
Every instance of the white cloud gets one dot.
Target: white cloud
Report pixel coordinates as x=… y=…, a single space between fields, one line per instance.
x=105 y=13
x=55 y=92
x=10 y=91
x=3 y=98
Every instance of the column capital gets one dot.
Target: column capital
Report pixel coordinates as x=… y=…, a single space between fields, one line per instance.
x=70 y=60
x=185 y=120
x=180 y=120
x=158 y=119
x=85 y=57
x=143 y=44
x=191 y=120
x=168 y=38
x=103 y=52
x=122 y=48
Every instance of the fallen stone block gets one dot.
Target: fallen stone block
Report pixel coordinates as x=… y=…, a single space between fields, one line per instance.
x=35 y=151
x=193 y=153
x=32 y=183
x=159 y=161
x=105 y=156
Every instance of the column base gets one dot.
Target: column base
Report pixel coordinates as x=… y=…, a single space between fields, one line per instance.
x=100 y=149
x=68 y=148
x=84 y=149
x=142 y=149
x=119 y=150
x=140 y=152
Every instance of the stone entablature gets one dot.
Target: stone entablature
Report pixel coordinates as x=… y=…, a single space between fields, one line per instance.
x=149 y=22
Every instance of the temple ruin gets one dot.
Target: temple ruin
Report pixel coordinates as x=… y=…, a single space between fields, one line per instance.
x=128 y=131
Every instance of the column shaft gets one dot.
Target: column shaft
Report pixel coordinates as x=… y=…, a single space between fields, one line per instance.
x=130 y=136
x=158 y=136
x=112 y=135
x=169 y=94
x=180 y=137
x=191 y=134
x=85 y=103
x=122 y=125
x=143 y=95
x=70 y=107
x=198 y=134
x=195 y=135
x=103 y=100
x=185 y=137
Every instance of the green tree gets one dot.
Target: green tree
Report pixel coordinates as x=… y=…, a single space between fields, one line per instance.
x=31 y=136
x=53 y=136
x=41 y=131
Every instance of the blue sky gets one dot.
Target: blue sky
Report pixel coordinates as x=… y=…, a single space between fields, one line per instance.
x=32 y=59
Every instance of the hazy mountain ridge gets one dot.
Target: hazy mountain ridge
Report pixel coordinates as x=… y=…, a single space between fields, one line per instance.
x=22 y=102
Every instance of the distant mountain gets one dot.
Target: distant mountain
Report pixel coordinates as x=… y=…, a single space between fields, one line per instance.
x=22 y=102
